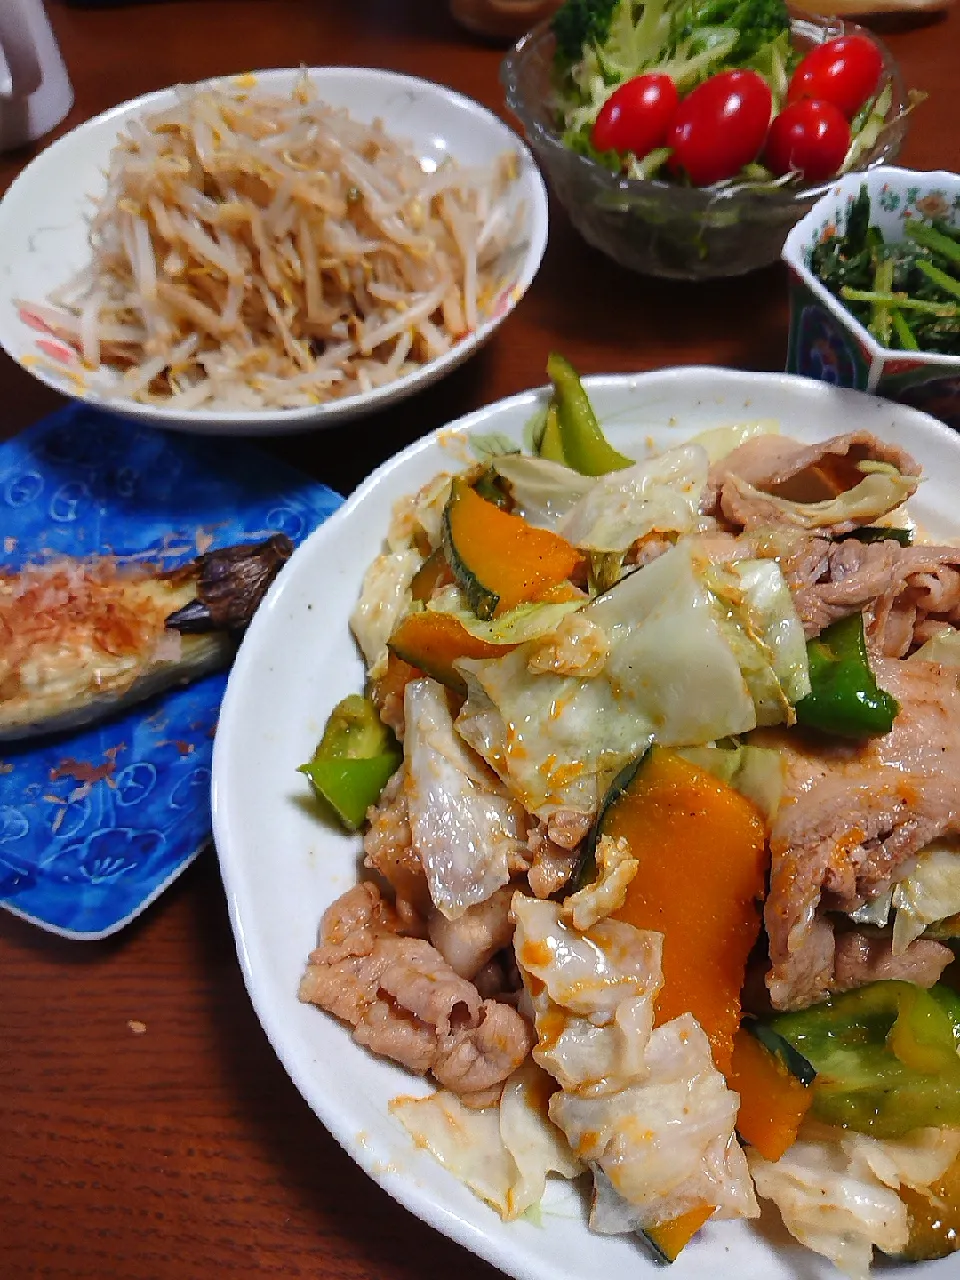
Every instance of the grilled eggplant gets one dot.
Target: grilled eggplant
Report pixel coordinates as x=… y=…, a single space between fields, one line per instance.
x=80 y=640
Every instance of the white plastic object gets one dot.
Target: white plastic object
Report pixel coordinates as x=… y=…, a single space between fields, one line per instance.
x=35 y=90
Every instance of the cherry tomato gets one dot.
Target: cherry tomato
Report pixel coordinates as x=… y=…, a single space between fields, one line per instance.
x=844 y=71
x=720 y=126
x=809 y=137
x=636 y=116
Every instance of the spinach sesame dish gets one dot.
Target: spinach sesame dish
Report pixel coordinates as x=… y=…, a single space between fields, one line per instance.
x=905 y=293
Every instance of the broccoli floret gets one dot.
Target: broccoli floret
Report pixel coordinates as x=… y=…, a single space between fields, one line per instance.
x=577 y=24
x=635 y=34
x=757 y=23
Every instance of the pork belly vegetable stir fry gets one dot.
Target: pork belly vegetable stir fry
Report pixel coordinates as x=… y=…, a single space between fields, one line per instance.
x=657 y=770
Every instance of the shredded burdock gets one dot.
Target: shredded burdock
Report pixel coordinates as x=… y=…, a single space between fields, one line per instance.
x=256 y=249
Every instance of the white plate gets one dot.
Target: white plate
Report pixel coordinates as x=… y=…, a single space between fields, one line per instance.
x=281 y=866
x=43 y=228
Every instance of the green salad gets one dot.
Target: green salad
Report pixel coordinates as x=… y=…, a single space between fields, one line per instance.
x=714 y=91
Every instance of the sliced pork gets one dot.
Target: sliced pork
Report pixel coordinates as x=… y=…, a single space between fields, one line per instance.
x=388 y=849
x=908 y=593
x=851 y=816
x=474 y=938
x=773 y=480
x=862 y=958
x=555 y=847
x=405 y=1002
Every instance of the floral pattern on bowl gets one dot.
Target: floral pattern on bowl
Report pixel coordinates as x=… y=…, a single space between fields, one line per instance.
x=95 y=824
x=821 y=327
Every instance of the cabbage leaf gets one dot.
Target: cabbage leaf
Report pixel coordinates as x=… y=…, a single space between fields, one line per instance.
x=463 y=828
x=660 y=495
x=593 y=994
x=672 y=674
x=837 y=1191
x=384 y=598
x=943 y=647
x=525 y=622
x=542 y=491
x=503 y=1154
x=763 y=629
x=882 y=489
x=929 y=893
x=719 y=441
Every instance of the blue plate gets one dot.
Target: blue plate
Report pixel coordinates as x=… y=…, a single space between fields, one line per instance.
x=94 y=825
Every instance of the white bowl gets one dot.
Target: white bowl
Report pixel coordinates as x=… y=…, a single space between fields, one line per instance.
x=282 y=866
x=43 y=229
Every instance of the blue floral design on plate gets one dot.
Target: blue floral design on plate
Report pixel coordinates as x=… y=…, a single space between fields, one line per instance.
x=95 y=825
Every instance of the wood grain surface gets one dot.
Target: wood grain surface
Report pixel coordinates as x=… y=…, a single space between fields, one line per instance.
x=146 y=1127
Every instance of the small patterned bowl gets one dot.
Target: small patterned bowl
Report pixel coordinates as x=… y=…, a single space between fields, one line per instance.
x=826 y=342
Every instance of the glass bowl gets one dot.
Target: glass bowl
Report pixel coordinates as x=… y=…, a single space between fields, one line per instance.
x=663 y=228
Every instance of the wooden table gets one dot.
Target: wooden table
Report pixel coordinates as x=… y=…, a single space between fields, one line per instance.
x=185 y=1151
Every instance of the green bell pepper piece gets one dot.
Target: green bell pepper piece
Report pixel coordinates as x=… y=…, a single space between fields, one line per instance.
x=551 y=445
x=583 y=444
x=880 y=533
x=887 y=1057
x=844 y=696
x=356 y=756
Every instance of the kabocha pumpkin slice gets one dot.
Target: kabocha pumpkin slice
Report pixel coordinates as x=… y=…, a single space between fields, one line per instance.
x=702 y=851
x=432 y=574
x=390 y=684
x=500 y=561
x=774 y=1093
x=934 y=1218
x=702 y=854
x=668 y=1240
x=434 y=641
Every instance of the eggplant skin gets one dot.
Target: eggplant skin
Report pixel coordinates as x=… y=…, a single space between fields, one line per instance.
x=82 y=640
x=78 y=706
x=230 y=585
